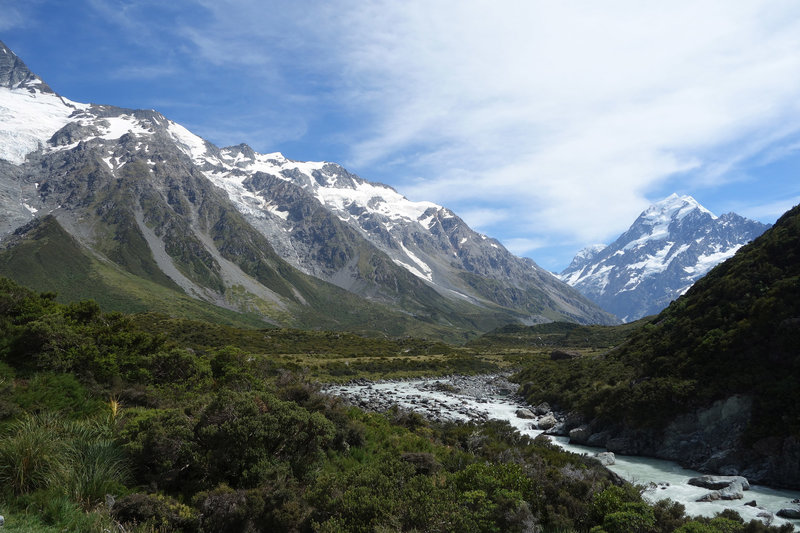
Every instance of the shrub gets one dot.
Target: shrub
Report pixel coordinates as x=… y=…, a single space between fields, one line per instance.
x=56 y=392
x=633 y=518
x=30 y=452
x=162 y=448
x=244 y=435
x=156 y=511
x=90 y=469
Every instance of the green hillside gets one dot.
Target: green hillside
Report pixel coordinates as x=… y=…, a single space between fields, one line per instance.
x=45 y=257
x=735 y=332
x=557 y=334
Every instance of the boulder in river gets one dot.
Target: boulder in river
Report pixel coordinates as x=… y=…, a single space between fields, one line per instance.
x=733 y=491
x=580 y=434
x=542 y=409
x=606 y=458
x=789 y=512
x=718 y=482
x=547 y=422
x=599 y=439
x=525 y=413
x=560 y=429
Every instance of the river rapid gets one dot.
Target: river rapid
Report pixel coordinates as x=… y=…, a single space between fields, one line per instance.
x=479 y=398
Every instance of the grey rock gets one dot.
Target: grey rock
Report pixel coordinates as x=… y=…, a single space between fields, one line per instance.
x=542 y=409
x=525 y=413
x=580 y=434
x=732 y=491
x=14 y=73
x=560 y=429
x=710 y=497
x=574 y=420
x=789 y=512
x=621 y=445
x=718 y=482
x=598 y=439
x=546 y=422
x=606 y=458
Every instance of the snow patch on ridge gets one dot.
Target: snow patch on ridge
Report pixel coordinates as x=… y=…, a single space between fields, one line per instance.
x=188 y=142
x=28 y=119
x=372 y=198
x=706 y=262
x=119 y=126
x=425 y=272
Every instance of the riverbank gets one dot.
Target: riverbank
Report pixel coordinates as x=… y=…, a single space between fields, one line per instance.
x=482 y=397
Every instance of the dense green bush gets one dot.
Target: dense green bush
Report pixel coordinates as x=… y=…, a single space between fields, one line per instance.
x=197 y=431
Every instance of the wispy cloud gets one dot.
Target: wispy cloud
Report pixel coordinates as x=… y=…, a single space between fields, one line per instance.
x=548 y=122
x=142 y=72
x=521 y=246
x=770 y=210
x=574 y=112
x=11 y=18
x=15 y=14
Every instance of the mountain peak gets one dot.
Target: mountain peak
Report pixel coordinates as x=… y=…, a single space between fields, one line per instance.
x=14 y=73
x=672 y=244
x=585 y=256
x=674 y=207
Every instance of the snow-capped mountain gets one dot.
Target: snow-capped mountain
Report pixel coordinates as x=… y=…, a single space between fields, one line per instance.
x=254 y=232
x=672 y=244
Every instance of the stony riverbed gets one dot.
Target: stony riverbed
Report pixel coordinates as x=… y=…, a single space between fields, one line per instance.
x=451 y=398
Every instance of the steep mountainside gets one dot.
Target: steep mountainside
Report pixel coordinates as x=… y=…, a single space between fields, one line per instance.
x=303 y=244
x=712 y=380
x=670 y=246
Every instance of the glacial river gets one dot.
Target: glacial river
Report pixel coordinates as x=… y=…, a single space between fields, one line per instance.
x=665 y=479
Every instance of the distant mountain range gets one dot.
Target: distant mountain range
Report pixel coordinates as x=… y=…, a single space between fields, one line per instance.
x=131 y=209
x=671 y=245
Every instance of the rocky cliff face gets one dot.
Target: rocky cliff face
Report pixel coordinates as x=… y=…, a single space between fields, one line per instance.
x=670 y=246
x=254 y=232
x=710 y=440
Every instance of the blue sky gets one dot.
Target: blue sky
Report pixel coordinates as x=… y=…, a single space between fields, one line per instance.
x=548 y=125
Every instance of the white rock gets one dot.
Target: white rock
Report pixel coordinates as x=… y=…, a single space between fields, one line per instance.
x=606 y=458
